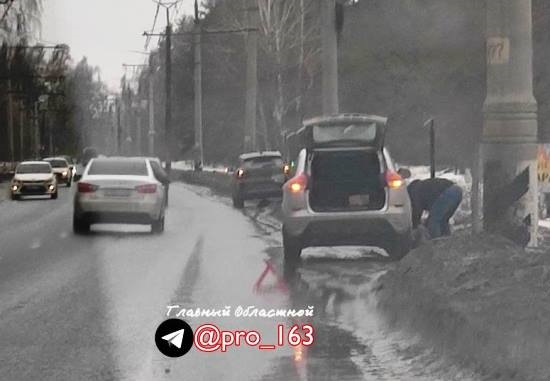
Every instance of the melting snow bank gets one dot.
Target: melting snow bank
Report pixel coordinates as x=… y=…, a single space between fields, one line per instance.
x=479 y=298
x=219 y=182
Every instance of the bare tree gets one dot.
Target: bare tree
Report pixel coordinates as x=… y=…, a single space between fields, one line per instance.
x=286 y=38
x=21 y=20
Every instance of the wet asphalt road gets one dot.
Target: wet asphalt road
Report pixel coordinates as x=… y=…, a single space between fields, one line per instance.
x=87 y=307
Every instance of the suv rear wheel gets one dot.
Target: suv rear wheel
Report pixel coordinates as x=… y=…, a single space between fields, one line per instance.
x=292 y=249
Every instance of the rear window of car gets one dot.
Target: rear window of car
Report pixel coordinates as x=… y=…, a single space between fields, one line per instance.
x=344 y=132
x=261 y=162
x=118 y=167
x=33 y=168
x=58 y=163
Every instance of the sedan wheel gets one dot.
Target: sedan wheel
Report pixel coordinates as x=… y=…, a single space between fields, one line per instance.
x=157 y=227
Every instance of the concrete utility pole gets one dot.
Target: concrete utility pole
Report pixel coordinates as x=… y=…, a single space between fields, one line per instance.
x=509 y=141
x=168 y=87
x=118 y=133
x=151 y=103
x=250 y=135
x=198 y=86
x=21 y=132
x=49 y=122
x=329 y=57
x=36 y=122
x=138 y=132
x=11 y=132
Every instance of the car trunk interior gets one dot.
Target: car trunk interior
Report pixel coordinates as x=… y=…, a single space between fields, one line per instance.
x=346 y=180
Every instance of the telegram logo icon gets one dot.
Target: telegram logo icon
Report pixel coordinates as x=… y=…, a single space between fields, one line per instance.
x=174 y=337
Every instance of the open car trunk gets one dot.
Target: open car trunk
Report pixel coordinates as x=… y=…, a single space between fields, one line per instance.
x=346 y=180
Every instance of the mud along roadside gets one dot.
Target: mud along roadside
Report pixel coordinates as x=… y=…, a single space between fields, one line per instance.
x=479 y=298
x=4 y=190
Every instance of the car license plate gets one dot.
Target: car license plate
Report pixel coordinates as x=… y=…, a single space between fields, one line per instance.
x=359 y=200
x=117 y=192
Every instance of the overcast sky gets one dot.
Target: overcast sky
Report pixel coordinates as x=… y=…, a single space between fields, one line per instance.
x=105 y=31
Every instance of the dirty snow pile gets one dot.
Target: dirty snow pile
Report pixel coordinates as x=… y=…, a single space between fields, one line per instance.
x=481 y=298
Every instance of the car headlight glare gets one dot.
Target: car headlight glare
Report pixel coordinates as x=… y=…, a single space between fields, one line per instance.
x=64 y=173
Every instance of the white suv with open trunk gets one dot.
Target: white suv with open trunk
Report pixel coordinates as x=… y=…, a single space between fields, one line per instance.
x=346 y=190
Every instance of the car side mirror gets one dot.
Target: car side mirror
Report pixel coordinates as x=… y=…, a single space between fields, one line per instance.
x=404 y=173
x=77 y=177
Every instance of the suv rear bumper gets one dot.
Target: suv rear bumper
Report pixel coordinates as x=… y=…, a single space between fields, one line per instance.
x=379 y=228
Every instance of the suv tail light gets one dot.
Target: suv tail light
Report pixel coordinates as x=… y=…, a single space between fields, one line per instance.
x=147 y=188
x=298 y=183
x=87 y=187
x=394 y=180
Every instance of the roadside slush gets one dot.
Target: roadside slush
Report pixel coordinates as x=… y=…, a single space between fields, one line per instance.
x=4 y=191
x=479 y=298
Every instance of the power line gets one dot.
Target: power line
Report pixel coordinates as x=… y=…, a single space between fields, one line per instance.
x=153 y=28
x=9 y=5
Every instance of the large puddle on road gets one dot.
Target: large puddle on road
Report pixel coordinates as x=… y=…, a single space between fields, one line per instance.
x=354 y=342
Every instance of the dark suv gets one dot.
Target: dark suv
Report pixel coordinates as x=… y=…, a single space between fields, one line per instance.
x=259 y=175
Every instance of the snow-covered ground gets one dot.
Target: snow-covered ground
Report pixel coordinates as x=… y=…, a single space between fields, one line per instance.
x=186 y=165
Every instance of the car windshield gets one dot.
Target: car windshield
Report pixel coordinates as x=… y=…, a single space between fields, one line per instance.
x=33 y=168
x=261 y=162
x=58 y=163
x=118 y=167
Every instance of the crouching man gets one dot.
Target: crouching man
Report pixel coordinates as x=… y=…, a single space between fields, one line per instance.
x=440 y=198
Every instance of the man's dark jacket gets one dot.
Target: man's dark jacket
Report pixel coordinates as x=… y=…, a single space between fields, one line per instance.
x=423 y=194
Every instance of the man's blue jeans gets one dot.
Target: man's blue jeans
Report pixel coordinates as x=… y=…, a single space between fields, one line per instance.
x=442 y=210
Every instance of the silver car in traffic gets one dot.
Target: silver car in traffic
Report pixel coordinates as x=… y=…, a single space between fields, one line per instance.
x=346 y=190
x=119 y=190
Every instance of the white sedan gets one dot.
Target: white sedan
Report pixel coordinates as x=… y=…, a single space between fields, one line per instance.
x=119 y=190
x=33 y=178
